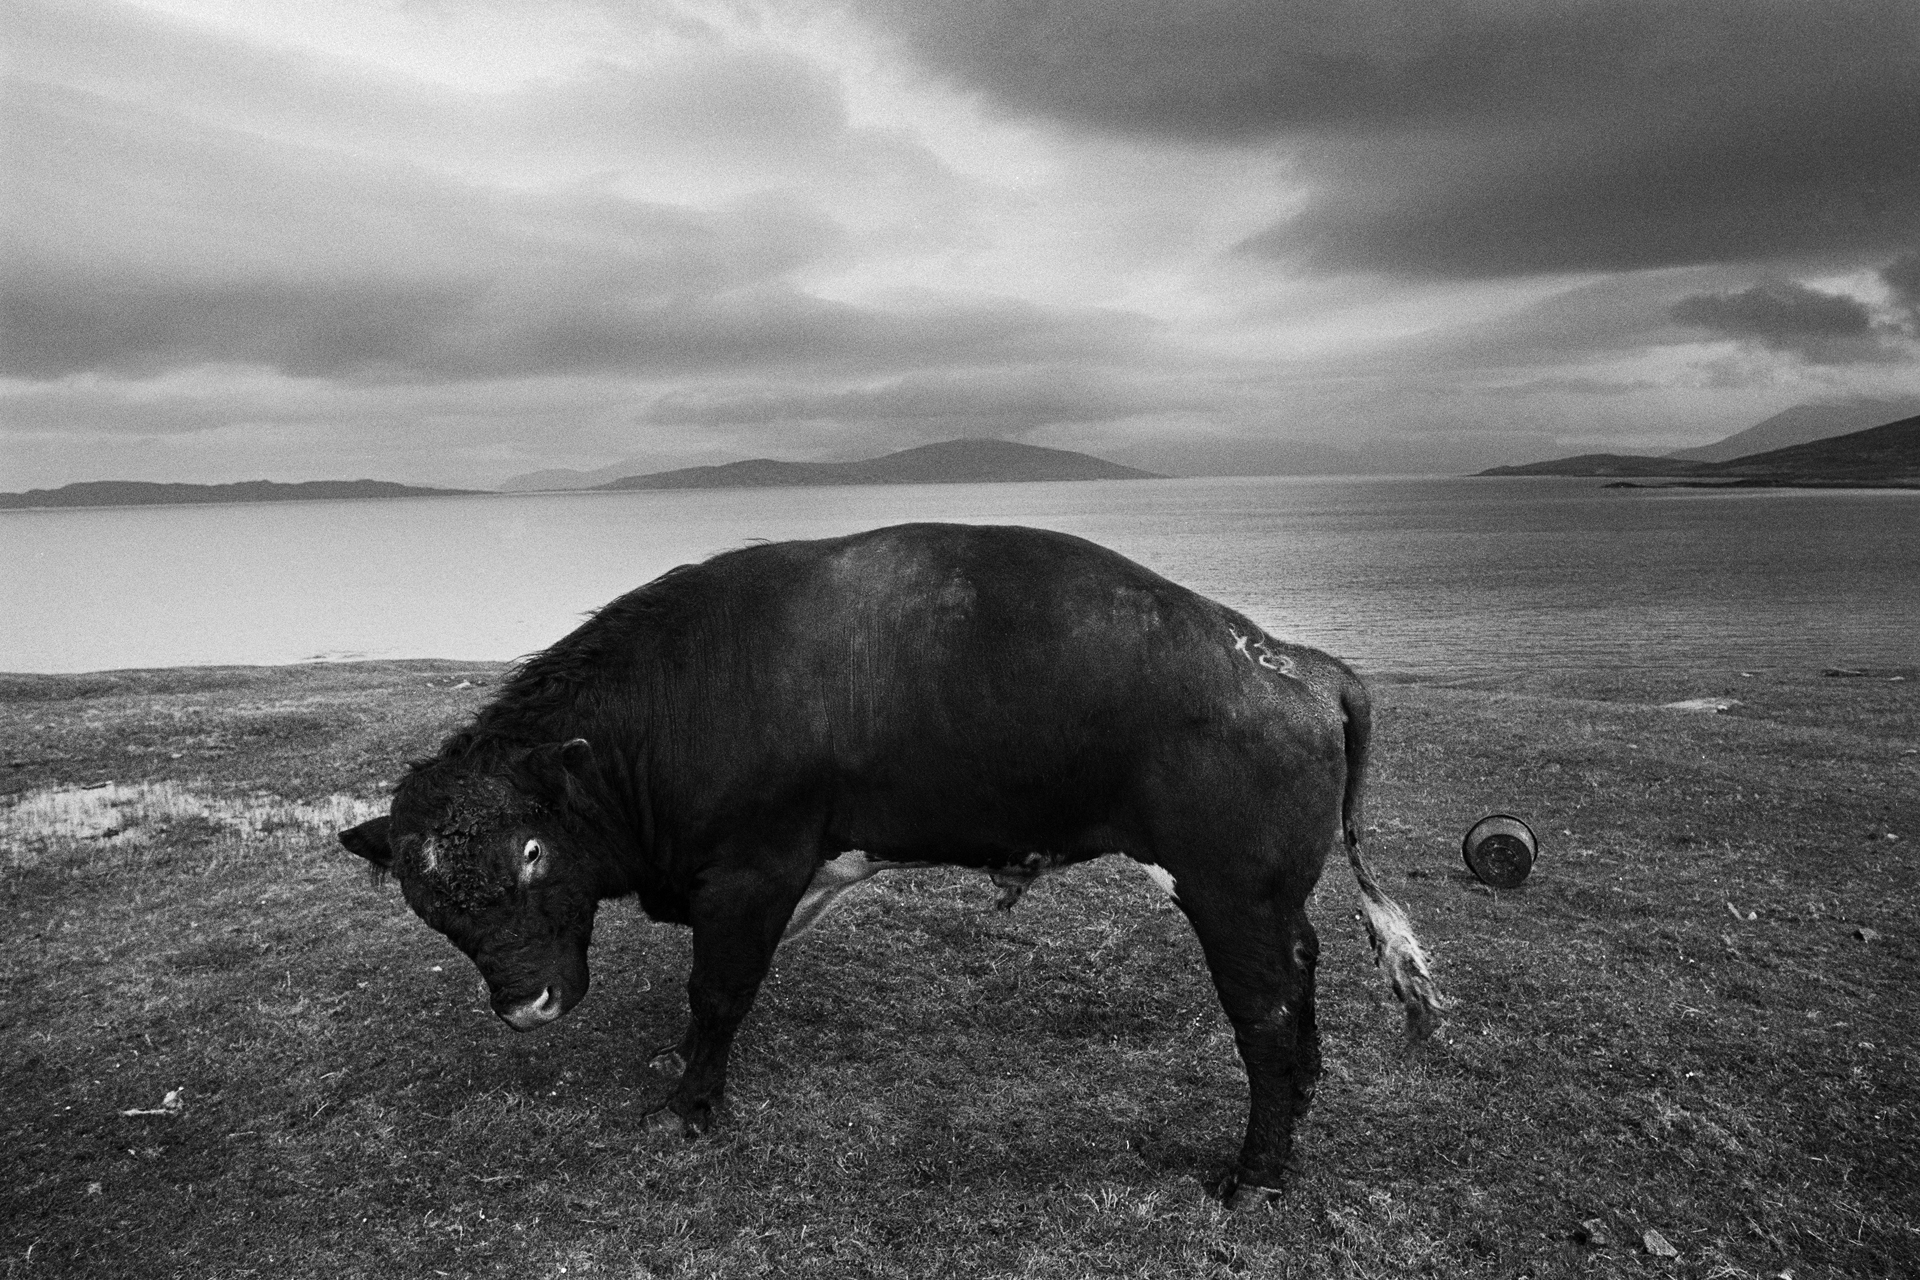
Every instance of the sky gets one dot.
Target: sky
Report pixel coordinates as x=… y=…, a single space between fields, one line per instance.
x=450 y=241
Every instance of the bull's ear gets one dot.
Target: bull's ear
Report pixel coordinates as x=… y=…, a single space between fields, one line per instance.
x=369 y=840
x=548 y=769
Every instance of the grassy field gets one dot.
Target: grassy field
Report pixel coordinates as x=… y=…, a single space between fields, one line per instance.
x=226 y=1053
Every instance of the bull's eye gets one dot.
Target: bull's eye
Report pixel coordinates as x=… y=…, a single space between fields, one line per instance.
x=533 y=852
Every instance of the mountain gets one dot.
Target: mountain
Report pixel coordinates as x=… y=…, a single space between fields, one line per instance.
x=1887 y=456
x=1802 y=424
x=562 y=478
x=141 y=493
x=951 y=462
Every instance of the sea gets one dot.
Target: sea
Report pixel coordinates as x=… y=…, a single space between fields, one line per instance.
x=1436 y=577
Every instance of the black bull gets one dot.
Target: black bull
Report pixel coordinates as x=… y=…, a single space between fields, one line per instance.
x=740 y=740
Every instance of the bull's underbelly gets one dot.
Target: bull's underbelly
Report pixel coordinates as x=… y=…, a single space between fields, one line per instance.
x=836 y=876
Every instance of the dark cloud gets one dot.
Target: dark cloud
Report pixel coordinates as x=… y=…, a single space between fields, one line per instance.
x=933 y=405
x=58 y=325
x=1481 y=138
x=1902 y=278
x=1821 y=328
x=1777 y=312
x=455 y=332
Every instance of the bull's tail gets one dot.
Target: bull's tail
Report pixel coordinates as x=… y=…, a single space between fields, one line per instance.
x=1395 y=949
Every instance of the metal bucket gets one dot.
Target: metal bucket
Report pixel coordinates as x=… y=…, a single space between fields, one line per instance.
x=1500 y=850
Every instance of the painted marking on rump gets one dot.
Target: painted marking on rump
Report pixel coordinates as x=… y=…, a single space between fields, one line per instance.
x=1266 y=656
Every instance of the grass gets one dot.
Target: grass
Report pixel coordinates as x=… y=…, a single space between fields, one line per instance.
x=1676 y=1025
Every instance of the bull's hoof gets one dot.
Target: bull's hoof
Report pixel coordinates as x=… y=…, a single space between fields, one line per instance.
x=667 y=1062
x=1235 y=1189
x=677 y=1118
x=698 y=1117
x=663 y=1122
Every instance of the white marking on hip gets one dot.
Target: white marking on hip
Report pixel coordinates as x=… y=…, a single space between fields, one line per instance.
x=1162 y=877
x=1272 y=661
x=1266 y=656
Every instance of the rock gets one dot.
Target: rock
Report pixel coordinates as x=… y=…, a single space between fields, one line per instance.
x=1701 y=704
x=1657 y=1245
x=1865 y=934
x=1593 y=1234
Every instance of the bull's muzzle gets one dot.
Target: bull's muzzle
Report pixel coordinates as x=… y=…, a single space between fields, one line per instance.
x=534 y=1013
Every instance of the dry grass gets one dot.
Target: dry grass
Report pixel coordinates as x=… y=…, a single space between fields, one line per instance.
x=1676 y=1025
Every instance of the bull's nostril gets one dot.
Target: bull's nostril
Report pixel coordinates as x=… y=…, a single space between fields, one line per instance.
x=549 y=1005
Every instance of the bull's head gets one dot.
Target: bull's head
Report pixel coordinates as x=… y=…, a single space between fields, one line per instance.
x=485 y=854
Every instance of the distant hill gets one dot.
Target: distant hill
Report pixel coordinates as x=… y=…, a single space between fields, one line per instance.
x=1803 y=424
x=951 y=462
x=561 y=478
x=141 y=493
x=1886 y=456
x=1603 y=464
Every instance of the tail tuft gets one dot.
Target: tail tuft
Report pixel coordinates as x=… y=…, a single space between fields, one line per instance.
x=1399 y=954
x=1395 y=949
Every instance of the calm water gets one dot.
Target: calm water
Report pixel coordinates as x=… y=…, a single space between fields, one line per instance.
x=1437 y=576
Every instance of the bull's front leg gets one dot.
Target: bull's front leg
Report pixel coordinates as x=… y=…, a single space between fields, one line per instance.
x=737 y=921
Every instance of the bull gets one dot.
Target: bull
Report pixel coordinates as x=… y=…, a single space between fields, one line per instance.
x=740 y=741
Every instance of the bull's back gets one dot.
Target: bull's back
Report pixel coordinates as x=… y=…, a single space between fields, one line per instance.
x=1001 y=678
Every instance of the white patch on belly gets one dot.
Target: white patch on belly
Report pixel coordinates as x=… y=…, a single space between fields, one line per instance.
x=829 y=882
x=1162 y=877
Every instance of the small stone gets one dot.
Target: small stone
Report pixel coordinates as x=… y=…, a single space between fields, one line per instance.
x=1711 y=705
x=1593 y=1234
x=1865 y=934
x=1657 y=1245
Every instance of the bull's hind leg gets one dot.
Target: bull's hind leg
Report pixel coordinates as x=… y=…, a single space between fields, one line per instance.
x=1261 y=951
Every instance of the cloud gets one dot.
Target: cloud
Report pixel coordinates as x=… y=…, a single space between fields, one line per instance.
x=212 y=245
x=1819 y=327
x=1902 y=279
x=454 y=332
x=936 y=406
x=1486 y=138
x=212 y=202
